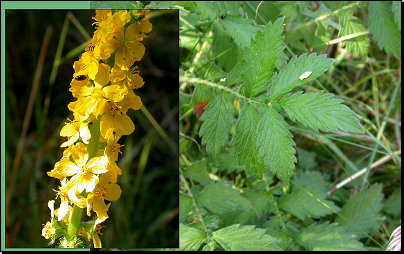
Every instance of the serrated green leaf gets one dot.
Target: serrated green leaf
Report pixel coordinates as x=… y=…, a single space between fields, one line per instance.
x=383 y=28
x=116 y=5
x=222 y=42
x=258 y=63
x=217 y=120
x=245 y=140
x=306 y=159
x=361 y=212
x=202 y=93
x=275 y=143
x=240 y=29
x=326 y=237
x=288 y=77
x=397 y=13
x=228 y=161
x=214 y=73
x=393 y=204
x=197 y=172
x=234 y=75
x=207 y=9
x=185 y=206
x=167 y=4
x=320 y=111
x=292 y=8
x=221 y=198
x=309 y=200
x=191 y=238
x=211 y=9
x=322 y=35
x=244 y=238
x=351 y=25
x=261 y=205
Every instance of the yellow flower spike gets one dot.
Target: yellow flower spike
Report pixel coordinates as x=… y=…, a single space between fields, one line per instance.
x=87 y=170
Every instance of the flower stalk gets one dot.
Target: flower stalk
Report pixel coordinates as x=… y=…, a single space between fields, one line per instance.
x=103 y=84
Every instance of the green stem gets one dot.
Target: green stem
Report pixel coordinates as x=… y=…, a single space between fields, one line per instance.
x=95 y=135
x=74 y=223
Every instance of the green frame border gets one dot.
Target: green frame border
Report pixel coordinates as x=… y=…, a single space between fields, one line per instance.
x=23 y=5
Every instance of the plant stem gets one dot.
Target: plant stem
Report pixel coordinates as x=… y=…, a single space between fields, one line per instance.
x=74 y=223
x=95 y=135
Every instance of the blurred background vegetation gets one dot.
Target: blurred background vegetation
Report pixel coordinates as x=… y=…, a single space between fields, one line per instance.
x=146 y=215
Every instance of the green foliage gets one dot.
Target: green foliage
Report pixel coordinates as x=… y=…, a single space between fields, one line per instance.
x=351 y=25
x=320 y=111
x=220 y=198
x=244 y=238
x=217 y=122
x=276 y=85
x=275 y=143
x=384 y=29
x=245 y=140
x=191 y=238
x=309 y=200
x=259 y=59
x=358 y=216
x=327 y=237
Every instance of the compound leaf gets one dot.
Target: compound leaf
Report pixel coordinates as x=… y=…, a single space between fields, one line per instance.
x=217 y=120
x=320 y=111
x=244 y=238
x=245 y=141
x=288 y=77
x=258 y=63
x=275 y=143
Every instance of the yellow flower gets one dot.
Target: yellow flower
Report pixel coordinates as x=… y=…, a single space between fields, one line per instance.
x=112 y=150
x=84 y=172
x=74 y=130
x=116 y=120
x=88 y=63
x=103 y=191
x=47 y=229
x=97 y=231
x=127 y=46
x=131 y=78
x=107 y=27
x=94 y=99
